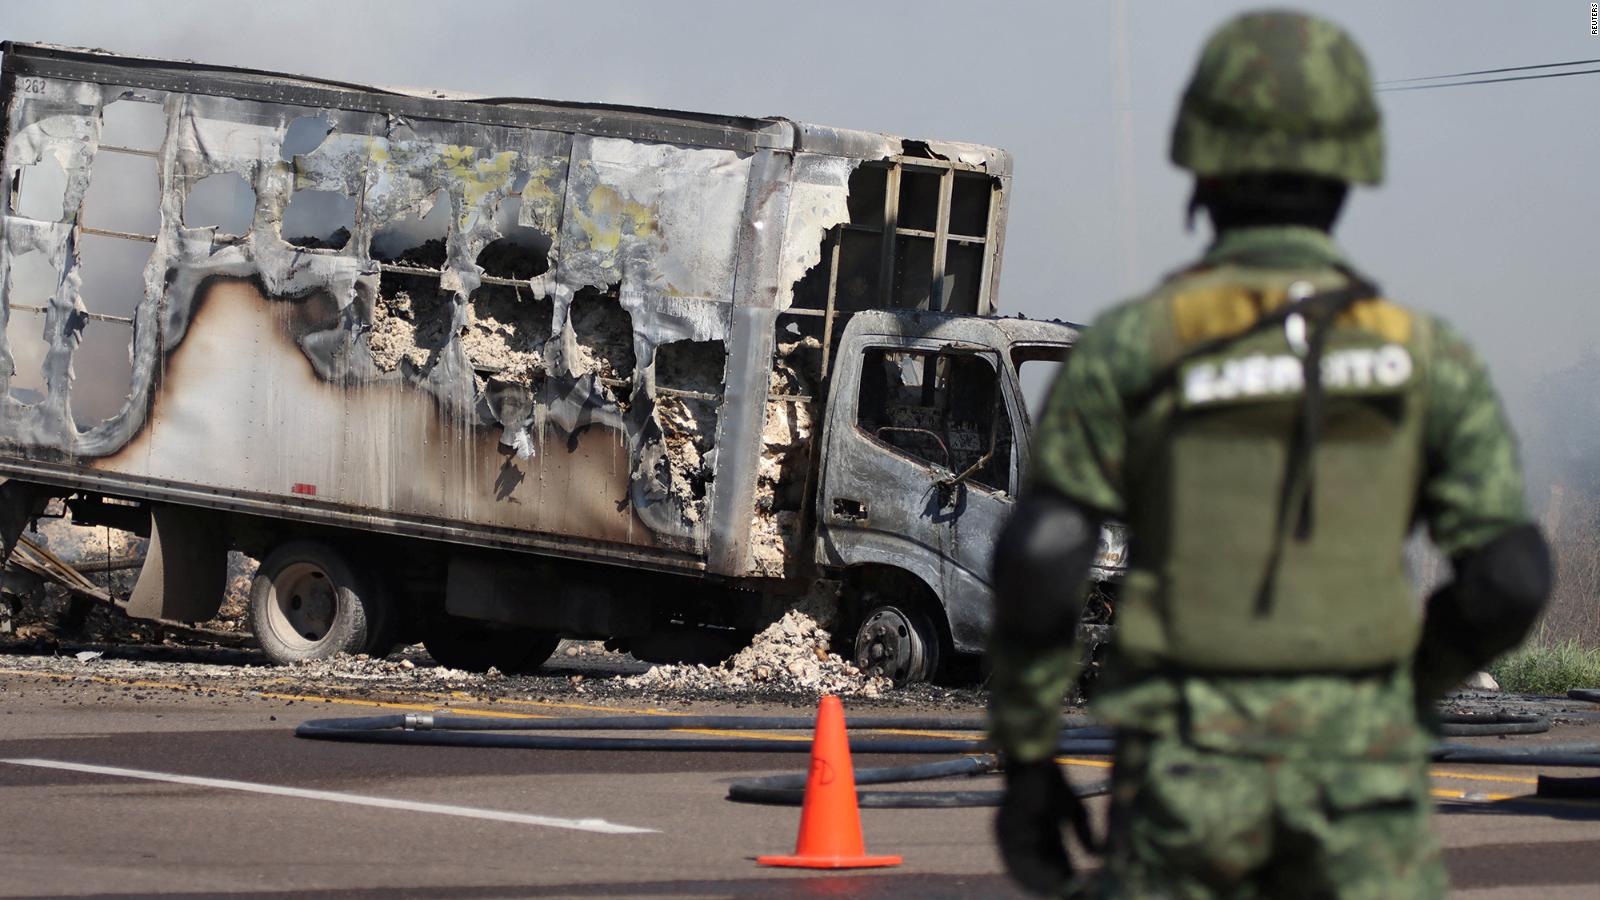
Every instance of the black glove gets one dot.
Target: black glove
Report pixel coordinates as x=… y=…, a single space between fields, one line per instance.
x=1037 y=800
x=1497 y=595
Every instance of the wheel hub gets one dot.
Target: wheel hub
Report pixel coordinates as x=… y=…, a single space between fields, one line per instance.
x=305 y=602
x=887 y=644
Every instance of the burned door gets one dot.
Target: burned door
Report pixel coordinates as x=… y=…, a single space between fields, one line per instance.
x=920 y=471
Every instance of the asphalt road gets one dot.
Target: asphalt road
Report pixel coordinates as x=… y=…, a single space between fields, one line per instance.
x=73 y=829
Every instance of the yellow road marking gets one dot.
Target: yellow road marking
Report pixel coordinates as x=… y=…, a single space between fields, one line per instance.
x=758 y=735
x=911 y=732
x=1092 y=763
x=1472 y=776
x=1448 y=794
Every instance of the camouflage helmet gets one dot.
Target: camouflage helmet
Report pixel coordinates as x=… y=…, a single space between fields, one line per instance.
x=1280 y=92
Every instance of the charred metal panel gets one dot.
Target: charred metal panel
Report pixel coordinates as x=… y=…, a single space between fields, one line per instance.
x=739 y=433
x=253 y=361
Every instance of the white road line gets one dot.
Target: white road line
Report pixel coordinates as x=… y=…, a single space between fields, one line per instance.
x=596 y=825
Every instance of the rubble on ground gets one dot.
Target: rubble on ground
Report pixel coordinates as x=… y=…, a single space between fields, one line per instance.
x=360 y=666
x=790 y=656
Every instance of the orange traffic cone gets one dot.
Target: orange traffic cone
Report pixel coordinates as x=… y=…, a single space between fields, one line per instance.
x=830 y=823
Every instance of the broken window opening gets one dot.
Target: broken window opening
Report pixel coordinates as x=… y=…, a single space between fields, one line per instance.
x=224 y=201
x=963 y=277
x=32 y=281
x=787 y=436
x=520 y=252
x=303 y=136
x=507 y=330
x=868 y=183
x=604 y=332
x=411 y=319
x=860 y=265
x=1038 y=366
x=913 y=273
x=692 y=366
x=919 y=199
x=112 y=273
x=124 y=194
x=318 y=220
x=133 y=125
x=797 y=357
x=418 y=239
x=39 y=191
x=689 y=424
x=26 y=343
x=929 y=258
x=969 y=204
x=811 y=291
x=102 y=368
x=939 y=409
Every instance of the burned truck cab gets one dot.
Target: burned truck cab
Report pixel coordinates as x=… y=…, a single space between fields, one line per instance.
x=925 y=450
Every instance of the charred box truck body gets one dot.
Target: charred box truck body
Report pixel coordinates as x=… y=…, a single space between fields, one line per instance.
x=482 y=372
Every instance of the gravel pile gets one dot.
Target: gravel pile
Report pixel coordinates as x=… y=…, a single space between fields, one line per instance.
x=791 y=656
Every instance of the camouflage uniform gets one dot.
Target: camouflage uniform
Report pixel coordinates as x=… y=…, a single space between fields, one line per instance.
x=1241 y=772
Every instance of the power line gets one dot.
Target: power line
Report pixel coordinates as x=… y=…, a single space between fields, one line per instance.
x=1425 y=87
x=1560 y=65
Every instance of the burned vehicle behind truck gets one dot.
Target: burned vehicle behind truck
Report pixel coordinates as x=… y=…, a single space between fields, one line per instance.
x=484 y=372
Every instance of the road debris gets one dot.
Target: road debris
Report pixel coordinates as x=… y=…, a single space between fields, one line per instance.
x=790 y=656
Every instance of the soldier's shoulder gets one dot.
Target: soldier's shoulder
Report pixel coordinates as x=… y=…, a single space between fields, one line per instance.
x=1155 y=304
x=1446 y=342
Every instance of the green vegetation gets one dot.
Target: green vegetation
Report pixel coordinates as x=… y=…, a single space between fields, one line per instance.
x=1548 y=669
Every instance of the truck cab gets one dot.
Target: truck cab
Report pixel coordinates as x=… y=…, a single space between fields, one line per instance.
x=925 y=449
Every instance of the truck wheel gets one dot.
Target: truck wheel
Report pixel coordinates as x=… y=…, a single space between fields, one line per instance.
x=308 y=602
x=898 y=642
x=476 y=646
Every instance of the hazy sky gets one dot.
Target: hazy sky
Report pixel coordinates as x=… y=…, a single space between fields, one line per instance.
x=1489 y=213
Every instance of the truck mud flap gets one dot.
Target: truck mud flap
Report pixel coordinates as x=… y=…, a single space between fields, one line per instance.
x=185 y=570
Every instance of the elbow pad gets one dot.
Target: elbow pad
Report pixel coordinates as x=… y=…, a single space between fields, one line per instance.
x=1502 y=586
x=1498 y=592
x=1041 y=559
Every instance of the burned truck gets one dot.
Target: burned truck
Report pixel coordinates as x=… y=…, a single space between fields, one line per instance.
x=484 y=372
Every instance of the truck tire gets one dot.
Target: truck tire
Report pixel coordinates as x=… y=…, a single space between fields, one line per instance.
x=309 y=602
x=477 y=646
x=898 y=642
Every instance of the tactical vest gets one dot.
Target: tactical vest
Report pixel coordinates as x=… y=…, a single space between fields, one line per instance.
x=1228 y=571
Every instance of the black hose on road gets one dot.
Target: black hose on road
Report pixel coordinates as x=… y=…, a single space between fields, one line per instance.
x=1077 y=738
x=469 y=731
x=790 y=790
x=474 y=731
x=1471 y=725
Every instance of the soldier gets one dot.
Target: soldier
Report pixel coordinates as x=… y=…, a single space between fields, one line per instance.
x=1270 y=427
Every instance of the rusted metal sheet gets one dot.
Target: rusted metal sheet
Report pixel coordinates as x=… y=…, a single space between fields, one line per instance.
x=580 y=351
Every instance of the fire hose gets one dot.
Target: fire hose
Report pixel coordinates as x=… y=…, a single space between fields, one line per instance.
x=1078 y=738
